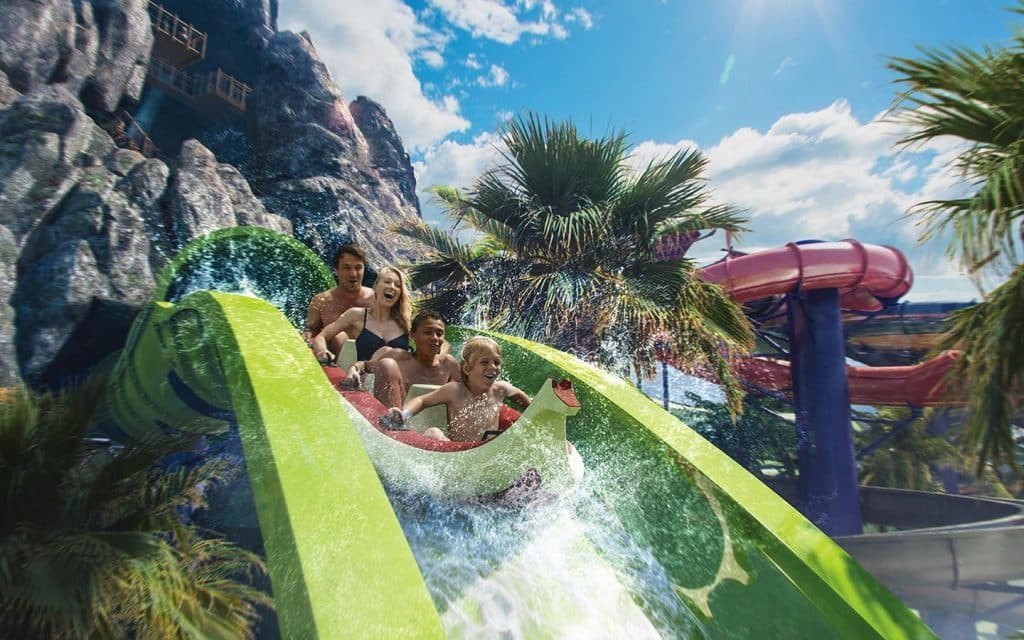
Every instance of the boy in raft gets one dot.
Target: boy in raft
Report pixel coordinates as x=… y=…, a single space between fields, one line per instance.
x=473 y=403
x=396 y=370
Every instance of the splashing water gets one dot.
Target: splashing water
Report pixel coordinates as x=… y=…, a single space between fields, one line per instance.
x=256 y=263
x=564 y=568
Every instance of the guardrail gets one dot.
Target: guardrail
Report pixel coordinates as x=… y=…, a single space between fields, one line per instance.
x=177 y=29
x=129 y=134
x=217 y=83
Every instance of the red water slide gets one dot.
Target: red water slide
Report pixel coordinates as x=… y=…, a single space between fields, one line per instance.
x=865 y=275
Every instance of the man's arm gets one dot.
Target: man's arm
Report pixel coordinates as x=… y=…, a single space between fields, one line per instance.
x=367 y=298
x=313 y=320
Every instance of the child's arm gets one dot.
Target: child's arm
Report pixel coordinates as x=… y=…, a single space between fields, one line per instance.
x=441 y=395
x=514 y=394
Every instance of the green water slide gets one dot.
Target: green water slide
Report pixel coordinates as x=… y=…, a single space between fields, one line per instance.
x=734 y=557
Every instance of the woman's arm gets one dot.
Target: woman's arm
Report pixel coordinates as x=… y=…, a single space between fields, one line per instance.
x=349 y=323
x=389 y=352
x=320 y=349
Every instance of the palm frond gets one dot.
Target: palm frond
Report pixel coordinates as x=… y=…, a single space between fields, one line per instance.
x=569 y=234
x=104 y=552
x=448 y=260
x=978 y=97
x=991 y=369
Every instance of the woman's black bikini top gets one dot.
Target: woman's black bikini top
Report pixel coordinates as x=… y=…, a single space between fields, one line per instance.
x=368 y=342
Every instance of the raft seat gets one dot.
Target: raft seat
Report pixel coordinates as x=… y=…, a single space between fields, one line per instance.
x=347 y=358
x=436 y=416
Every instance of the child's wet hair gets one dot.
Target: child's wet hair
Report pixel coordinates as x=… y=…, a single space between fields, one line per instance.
x=426 y=314
x=474 y=348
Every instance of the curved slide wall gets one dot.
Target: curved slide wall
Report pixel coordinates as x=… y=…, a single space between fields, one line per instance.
x=734 y=553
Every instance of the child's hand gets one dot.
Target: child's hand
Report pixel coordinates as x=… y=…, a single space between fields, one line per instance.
x=324 y=357
x=395 y=419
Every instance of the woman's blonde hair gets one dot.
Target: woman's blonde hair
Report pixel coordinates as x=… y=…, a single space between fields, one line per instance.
x=401 y=311
x=474 y=348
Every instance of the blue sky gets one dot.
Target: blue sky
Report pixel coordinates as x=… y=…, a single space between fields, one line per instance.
x=785 y=97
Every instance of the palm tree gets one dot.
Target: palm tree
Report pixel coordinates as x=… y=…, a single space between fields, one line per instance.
x=760 y=440
x=570 y=247
x=979 y=98
x=906 y=459
x=92 y=543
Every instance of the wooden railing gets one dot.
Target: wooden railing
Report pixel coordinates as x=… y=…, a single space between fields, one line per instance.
x=217 y=83
x=177 y=29
x=129 y=134
x=226 y=87
x=170 y=76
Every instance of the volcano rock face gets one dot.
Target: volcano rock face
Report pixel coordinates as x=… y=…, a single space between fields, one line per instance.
x=38 y=41
x=85 y=226
x=90 y=225
x=122 y=53
x=386 y=150
x=313 y=163
x=100 y=48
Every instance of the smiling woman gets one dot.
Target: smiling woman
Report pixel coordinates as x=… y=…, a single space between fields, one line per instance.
x=386 y=324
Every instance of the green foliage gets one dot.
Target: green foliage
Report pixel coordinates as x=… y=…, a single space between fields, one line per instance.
x=759 y=440
x=979 y=98
x=565 y=250
x=91 y=540
x=905 y=461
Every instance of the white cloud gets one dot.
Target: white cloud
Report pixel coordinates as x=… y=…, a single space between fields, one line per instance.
x=825 y=175
x=496 y=77
x=581 y=15
x=453 y=164
x=432 y=58
x=495 y=20
x=481 y=18
x=472 y=61
x=370 y=48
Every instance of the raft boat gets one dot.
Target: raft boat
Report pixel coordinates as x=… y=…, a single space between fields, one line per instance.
x=532 y=447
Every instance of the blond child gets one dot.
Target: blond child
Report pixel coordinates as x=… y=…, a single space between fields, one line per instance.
x=473 y=403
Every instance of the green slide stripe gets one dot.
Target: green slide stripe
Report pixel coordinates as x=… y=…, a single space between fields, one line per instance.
x=339 y=564
x=850 y=600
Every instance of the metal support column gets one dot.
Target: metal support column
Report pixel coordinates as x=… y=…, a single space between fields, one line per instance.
x=821 y=396
x=664 y=384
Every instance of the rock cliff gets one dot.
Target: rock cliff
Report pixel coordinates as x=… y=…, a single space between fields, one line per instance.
x=314 y=164
x=86 y=225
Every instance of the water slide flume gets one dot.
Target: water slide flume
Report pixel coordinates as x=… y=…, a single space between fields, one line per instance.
x=919 y=385
x=867 y=276
x=222 y=365
x=737 y=559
